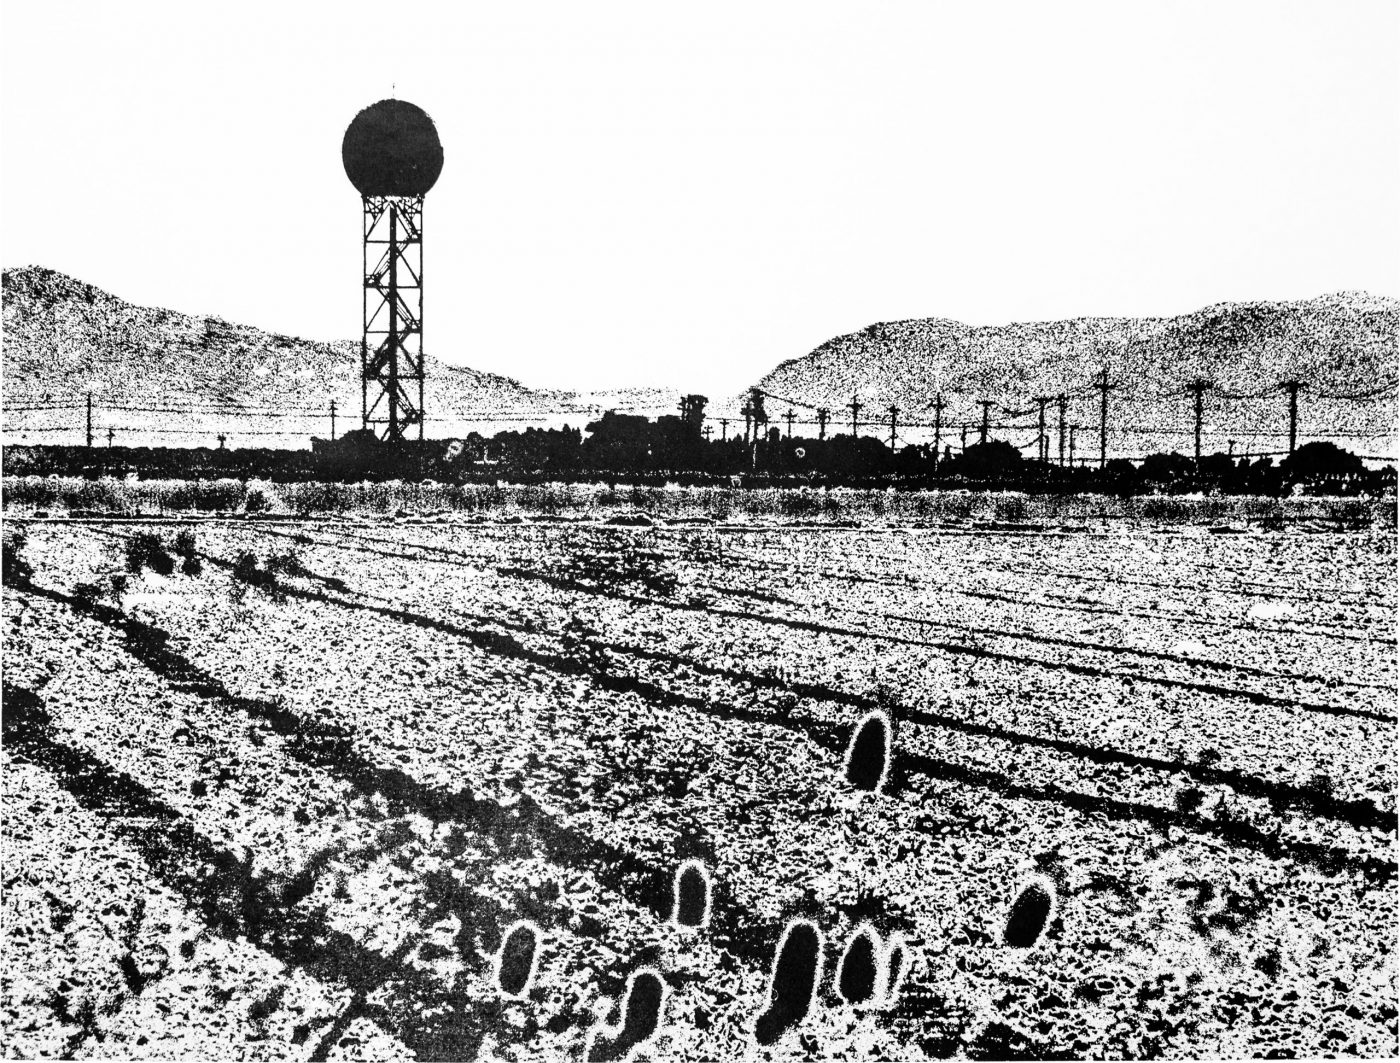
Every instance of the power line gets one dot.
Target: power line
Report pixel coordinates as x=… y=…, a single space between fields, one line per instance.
x=1359 y=396
x=784 y=398
x=196 y=406
x=201 y=411
x=500 y=418
x=1178 y=430
x=240 y=411
x=1238 y=397
x=904 y=426
x=139 y=431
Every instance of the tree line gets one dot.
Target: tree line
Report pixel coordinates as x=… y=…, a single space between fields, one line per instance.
x=671 y=449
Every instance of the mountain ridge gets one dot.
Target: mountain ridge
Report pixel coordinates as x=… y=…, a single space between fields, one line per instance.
x=1342 y=342
x=65 y=337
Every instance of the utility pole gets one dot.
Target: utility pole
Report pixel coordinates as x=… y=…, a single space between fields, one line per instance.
x=89 y=420
x=986 y=405
x=894 y=412
x=788 y=418
x=854 y=406
x=964 y=437
x=1198 y=387
x=1101 y=382
x=747 y=411
x=332 y=418
x=1072 y=430
x=822 y=414
x=760 y=418
x=1043 y=441
x=723 y=429
x=1063 y=402
x=708 y=431
x=1292 y=386
x=937 y=425
x=111 y=432
x=1231 y=454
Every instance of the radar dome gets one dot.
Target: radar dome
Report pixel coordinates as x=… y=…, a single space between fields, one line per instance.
x=392 y=149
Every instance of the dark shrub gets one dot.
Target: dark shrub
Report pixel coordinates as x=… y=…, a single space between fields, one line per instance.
x=87 y=594
x=245 y=567
x=1029 y=914
x=145 y=550
x=184 y=544
x=247 y=573
x=796 y=975
x=90 y=592
x=642 y=1011
x=517 y=966
x=641 y=1018
x=692 y=895
x=859 y=971
x=1189 y=799
x=17 y=572
x=287 y=564
x=895 y=961
x=867 y=758
x=622 y=565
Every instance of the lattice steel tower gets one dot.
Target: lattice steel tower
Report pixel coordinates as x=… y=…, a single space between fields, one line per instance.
x=393 y=156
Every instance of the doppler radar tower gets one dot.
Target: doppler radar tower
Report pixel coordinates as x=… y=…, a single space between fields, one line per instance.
x=393 y=156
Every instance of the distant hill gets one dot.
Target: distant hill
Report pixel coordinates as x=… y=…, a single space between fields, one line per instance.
x=64 y=338
x=155 y=374
x=1340 y=344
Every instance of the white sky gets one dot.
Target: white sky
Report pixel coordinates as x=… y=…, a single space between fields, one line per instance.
x=646 y=193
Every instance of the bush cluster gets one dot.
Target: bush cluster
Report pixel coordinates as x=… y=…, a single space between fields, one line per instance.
x=16 y=570
x=148 y=550
x=266 y=576
x=629 y=564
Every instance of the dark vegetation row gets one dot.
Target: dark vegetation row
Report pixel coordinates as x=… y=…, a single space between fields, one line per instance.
x=632 y=456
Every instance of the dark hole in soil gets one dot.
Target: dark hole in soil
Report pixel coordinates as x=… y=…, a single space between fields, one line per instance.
x=895 y=970
x=1028 y=916
x=794 y=980
x=692 y=896
x=517 y=960
x=858 y=970
x=641 y=1015
x=866 y=766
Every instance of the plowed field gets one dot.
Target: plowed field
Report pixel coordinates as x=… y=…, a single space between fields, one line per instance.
x=287 y=806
